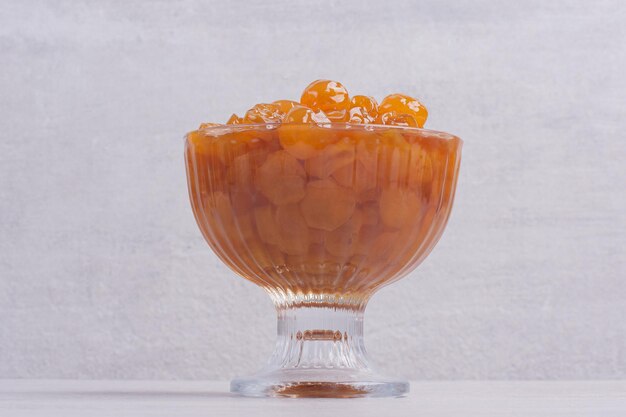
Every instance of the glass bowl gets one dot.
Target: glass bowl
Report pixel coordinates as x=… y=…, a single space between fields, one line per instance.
x=321 y=217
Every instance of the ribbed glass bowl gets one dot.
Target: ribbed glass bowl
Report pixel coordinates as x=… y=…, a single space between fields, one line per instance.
x=321 y=216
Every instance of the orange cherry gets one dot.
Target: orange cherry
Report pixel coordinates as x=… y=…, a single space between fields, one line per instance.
x=402 y=104
x=286 y=105
x=360 y=115
x=281 y=179
x=304 y=115
x=301 y=136
x=330 y=97
x=397 y=119
x=264 y=113
x=331 y=158
x=326 y=205
x=369 y=104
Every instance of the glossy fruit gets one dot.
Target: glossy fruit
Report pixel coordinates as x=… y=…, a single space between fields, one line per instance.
x=286 y=105
x=329 y=102
x=304 y=115
x=397 y=119
x=302 y=133
x=402 y=105
x=281 y=179
x=333 y=157
x=327 y=205
x=359 y=115
x=369 y=104
x=264 y=113
x=330 y=97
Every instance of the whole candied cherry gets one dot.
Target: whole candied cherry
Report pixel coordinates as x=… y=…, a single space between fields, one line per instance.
x=286 y=105
x=304 y=141
x=330 y=97
x=234 y=120
x=360 y=116
x=369 y=104
x=304 y=115
x=397 y=119
x=330 y=159
x=402 y=104
x=264 y=113
x=356 y=176
x=281 y=179
x=326 y=205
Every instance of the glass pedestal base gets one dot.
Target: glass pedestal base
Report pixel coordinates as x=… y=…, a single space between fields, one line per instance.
x=319 y=353
x=318 y=383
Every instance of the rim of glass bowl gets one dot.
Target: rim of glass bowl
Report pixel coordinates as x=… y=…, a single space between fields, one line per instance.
x=218 y=130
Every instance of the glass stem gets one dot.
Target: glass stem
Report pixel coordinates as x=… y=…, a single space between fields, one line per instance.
x=327 y=337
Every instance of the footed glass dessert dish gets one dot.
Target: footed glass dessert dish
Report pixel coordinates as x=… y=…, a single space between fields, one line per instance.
x=321 y=216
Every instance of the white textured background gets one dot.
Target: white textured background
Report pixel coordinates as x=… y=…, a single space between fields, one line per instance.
x=103 y=273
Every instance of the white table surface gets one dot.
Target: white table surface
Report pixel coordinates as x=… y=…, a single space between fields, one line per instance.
x=69 y=398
